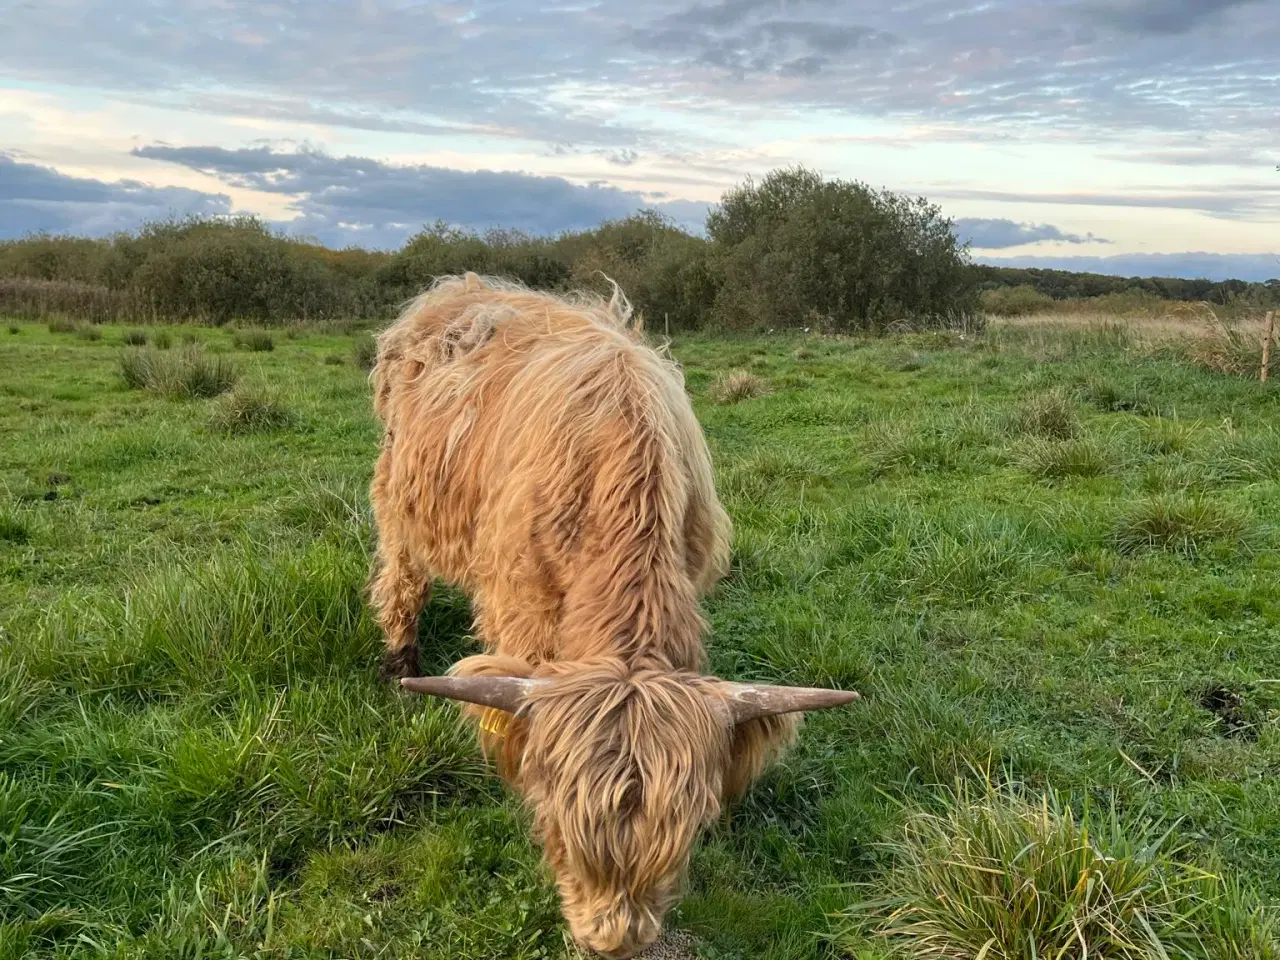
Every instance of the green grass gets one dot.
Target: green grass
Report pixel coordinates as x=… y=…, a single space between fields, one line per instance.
x=1065 y=571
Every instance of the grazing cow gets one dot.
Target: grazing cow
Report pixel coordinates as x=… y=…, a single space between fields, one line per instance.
x=540 y=456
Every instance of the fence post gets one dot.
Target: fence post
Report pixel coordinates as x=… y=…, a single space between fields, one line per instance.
x=1266 y=345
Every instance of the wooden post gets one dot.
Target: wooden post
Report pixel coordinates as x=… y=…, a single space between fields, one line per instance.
x=666 y=322
x=1266 y=345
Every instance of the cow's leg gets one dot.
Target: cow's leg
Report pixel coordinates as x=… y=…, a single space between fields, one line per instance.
x=398 y=591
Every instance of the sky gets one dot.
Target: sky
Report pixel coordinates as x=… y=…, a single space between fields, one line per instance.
x=1127 y=136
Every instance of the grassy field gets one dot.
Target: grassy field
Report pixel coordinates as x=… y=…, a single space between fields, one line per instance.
x=1047 y=560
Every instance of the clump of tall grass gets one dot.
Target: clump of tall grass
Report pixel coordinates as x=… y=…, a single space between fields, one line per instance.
x=15 y=329
x=364 y=352
x=1020 y=301
x=1224 y=348
x=1057 y=459
x=161 y=340
x=999 y=876
x=1050 y=415
x=87 y=331
x=1178 y=523
x=736 y=386
x=187 y=373
x=250 y=408
x=257 y=341
x=135 y=338
x=61 y=324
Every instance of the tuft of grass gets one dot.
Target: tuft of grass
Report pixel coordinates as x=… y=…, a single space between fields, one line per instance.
x=187 y=373
x=137 y=369
x=334 y=360
x=1224 y=348
x=87 y=331
x=161 y=340
x=250 y=408
x=1057 y=459
x=1178 y=523
x=257 y=341
x=1051 y=415
x=905 y=361
x=135 y=338
x=737 y=386
x=1000 y=876
x=13 y=529
x=334 y=503
x=62 y=325
x=364 y=352
x=14 y=329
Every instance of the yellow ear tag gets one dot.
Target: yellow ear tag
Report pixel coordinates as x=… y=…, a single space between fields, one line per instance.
x=495 y=721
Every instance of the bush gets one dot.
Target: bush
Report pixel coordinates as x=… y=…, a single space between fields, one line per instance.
x=665 y=272
x=798 y=251
x=250 y=408
x=364 y=352
x=188 y=373
x=1019 y=301
x=135 y=338
x=258 y=341
x=998 y=876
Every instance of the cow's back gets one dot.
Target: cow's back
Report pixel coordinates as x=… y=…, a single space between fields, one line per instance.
x=508 y=415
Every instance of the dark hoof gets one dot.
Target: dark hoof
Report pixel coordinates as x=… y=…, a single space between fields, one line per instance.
x=400 y=663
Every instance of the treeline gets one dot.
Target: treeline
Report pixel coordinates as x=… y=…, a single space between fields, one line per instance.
x=792 y=249
x=1067 y=285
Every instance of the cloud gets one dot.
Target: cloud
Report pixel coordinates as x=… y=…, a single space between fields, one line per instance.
x=1227 y=201
x=357 y=197
x=567 y=73
x=753 y=37
x=988 y=234
x=34 y=198
x=1192 y=266
x=1165 y=16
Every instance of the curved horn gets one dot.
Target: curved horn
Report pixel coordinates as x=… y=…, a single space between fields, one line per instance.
x=505 y=693
x=747 y=701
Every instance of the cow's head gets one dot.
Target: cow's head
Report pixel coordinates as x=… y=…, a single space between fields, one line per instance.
x=622 y=768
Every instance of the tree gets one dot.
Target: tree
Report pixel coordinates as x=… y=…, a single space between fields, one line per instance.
x=798 y=250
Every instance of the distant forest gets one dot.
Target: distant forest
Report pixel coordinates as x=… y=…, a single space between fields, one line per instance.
x=790 y=250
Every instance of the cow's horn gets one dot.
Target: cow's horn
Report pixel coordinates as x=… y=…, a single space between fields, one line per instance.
x=505 y=693
x=747 y=701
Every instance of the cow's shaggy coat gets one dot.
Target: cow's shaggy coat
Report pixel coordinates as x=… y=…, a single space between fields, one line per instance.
x=539 y=455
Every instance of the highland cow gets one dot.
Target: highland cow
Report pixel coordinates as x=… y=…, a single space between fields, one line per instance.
x=539 y=455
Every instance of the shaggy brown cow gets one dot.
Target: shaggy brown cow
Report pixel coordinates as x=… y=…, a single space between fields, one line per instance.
x=540 y=456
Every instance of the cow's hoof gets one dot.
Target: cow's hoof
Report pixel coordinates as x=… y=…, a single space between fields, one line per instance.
x=399 y=663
